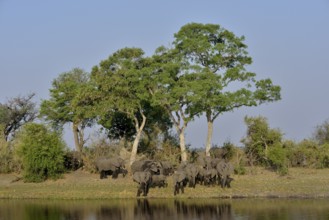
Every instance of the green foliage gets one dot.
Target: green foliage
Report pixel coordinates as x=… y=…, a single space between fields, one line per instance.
x=260 y=138
x=324 y=156
x=67 y=104
x=216 y=59
x=8 y=160
x=277 y=158
x=321 y=134
x=5 y=156
x=308 y=153
x=41 y=151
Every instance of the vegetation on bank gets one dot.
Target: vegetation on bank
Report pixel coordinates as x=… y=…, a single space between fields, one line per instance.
x=256 y=183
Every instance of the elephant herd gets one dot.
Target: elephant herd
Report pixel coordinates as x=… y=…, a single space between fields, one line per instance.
x=150 y=174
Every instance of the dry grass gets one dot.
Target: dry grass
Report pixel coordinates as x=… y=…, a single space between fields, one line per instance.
x=299 y=183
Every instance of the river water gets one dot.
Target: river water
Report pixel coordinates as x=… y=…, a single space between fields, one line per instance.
x=166 y=209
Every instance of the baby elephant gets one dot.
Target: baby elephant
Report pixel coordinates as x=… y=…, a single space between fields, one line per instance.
x=144 y=179
x=159 y=181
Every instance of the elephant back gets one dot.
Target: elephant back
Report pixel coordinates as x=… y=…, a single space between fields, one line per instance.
x=225 y=168
x=142 y=165
x=142 y=177
x=109 y=163
x=179 y=176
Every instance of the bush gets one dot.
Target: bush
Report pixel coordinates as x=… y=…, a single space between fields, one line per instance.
x=8 y=162
x=5 y=157
x=260 y=137
x=41 y=151
x=277 y=157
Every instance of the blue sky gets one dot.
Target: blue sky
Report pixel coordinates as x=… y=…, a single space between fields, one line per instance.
x=288 y=41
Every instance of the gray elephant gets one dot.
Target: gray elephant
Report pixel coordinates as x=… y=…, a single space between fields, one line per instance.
x=159 y=181
x=224 y=169
x=144 y=180
x=191 y=171
x=111 y=166
x=179 y=181
x=166 y=168
x=210 y=176
x=142 y=165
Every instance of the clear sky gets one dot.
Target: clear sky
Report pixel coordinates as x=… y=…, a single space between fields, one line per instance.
x=288 y=41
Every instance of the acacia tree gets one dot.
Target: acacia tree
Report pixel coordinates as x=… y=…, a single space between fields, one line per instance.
x=210 y=49
x=15 y=113
x=173 y=88
x=120 y=87
x=61 y=109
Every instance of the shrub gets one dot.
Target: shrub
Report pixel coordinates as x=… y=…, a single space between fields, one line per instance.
x=323 y=156
x=277 y=158
x=5 y=157
x=41 y=151
x=8 y=162
x=260 y=137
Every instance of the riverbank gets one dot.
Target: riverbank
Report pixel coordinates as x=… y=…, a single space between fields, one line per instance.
x=257 y=183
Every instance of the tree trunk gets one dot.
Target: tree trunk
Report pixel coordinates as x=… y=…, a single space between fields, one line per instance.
x=180 y=130
x=210 y=124
x=182 y=145
x=209 y=137
x=139 y=130
x=75 y=129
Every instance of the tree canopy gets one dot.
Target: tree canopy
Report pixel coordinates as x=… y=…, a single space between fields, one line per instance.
x=61 y=108
x=15 y=113
x=218 y=59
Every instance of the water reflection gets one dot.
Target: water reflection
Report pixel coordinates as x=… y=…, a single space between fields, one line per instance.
x=165 y=209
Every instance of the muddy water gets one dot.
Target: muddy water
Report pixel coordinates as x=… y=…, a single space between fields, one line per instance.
x=157 y=209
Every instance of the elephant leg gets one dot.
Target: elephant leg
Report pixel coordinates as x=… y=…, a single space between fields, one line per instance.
x=142 y=188
x=102 y=174
x=223 y=182
x=115 y=174
x=139 y=190
x=181 y=187
x=147 y=187
x=228 y=182
x=176 y=189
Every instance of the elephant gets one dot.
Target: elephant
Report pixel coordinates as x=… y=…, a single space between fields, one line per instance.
x=191 y=171
x=144 y=179
x=111 y=166
x=159 y=181
x=167 y=168
x=142 y=165
x=214 y=162
x=200 y=178
x=179 y=181
x=210 y=176
x=224 y=170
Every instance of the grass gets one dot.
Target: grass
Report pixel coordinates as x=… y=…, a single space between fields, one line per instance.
x=257 y=183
